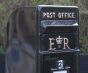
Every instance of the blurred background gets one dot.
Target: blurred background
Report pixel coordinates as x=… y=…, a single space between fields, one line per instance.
x=8 y=6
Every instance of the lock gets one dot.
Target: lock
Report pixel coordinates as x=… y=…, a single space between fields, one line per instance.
x=60 y=67
x=60 y=64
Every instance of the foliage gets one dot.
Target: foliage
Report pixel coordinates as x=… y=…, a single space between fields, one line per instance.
x=38 y=2
x=84 y=45
x=63 y=2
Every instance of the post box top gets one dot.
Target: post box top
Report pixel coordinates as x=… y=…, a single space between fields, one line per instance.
x=57 y=15
x=58 y=6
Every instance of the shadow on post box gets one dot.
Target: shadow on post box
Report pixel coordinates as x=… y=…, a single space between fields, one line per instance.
x=42 y=39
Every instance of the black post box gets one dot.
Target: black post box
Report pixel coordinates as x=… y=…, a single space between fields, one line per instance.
x=58 y=30
x=43 y=39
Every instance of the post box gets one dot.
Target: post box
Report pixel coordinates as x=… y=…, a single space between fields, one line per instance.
x=43 y=39
x=59 y=49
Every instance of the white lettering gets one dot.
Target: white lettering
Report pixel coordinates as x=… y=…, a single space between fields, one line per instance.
x=51 y=44
x=66 y=15
x=48 y=14
x=58 y=42
x=66 y=41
